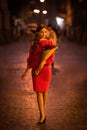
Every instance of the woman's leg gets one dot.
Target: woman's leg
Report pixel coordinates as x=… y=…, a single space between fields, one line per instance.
x=41 y=105
x=45 y=96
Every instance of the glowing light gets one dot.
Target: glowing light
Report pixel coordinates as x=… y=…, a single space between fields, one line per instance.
x=44 y=11
x=42 y=1
x=37 y=11
x=60 y=21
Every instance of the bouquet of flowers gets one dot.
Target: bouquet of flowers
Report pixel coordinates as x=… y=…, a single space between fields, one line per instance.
x=45 y=55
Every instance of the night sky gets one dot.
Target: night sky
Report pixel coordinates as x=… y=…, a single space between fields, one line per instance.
x=15 y=5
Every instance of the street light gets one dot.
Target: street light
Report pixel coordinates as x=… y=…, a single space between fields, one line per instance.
x=42 y=1
x=37 y=11
x=44 y=11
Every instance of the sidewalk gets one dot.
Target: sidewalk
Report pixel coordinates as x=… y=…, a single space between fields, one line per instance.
x=67 y=101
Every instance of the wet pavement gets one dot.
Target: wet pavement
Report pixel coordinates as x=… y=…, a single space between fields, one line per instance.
x=66 y=107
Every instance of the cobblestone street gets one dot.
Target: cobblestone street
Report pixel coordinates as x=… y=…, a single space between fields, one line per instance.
x=67 y=101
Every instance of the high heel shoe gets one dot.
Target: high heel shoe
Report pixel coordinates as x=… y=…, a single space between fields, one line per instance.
x=42 y=122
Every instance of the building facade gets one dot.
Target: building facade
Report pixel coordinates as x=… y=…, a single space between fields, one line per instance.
x=5 y=29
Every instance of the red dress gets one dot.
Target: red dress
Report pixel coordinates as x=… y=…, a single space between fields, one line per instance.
x=42 y=81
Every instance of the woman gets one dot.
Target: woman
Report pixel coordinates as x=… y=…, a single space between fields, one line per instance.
x=41 y=70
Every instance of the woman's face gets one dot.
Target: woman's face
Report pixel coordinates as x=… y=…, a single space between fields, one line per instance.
x=43 y=33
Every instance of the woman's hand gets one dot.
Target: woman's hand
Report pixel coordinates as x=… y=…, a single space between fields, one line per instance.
x=37 y=71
